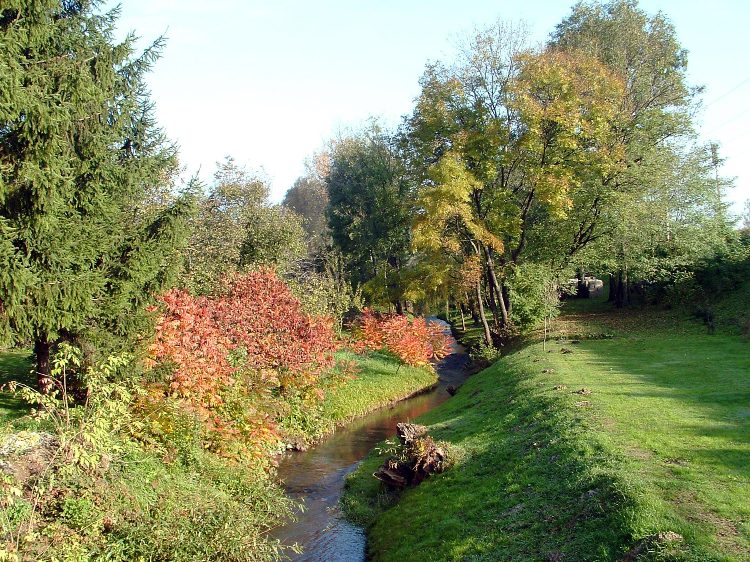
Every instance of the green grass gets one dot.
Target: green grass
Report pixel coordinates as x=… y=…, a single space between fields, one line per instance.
x=15 y=365
x=378 y=379
x=661 y=443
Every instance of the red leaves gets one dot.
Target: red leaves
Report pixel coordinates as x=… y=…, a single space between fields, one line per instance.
x=414 y=341
x=188 y=336
x=262 y=326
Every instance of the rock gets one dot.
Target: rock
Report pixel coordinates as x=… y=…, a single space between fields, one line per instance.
x=548 y=371
x=565 y=350
x=25 y=441
x=583 y=392
x=560 y=387
x=27 y=454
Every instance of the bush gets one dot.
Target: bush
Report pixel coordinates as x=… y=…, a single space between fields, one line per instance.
x=238 y=357
x=87 y=484
x=414 y=341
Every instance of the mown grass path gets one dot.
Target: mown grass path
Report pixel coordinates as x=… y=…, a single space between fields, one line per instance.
x=585 y=448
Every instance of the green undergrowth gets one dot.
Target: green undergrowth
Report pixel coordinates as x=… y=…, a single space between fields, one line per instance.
x=586 y=447
x=98 y=482
x=364 y=384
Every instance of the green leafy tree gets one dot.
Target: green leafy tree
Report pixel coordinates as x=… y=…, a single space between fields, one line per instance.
x=505 y=139
x=368 y=212
x=308 y=197
x=655 y=131
x=86 y=233
x=237 y=228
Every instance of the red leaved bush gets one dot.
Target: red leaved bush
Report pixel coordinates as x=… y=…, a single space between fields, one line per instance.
x=260 y=314
x=414 y=341
x=255 y=337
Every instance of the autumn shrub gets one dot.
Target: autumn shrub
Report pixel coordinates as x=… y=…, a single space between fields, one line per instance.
x=239 y=359
x=412 y=340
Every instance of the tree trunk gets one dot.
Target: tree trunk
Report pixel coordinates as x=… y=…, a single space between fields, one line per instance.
x=612 y=288
x=463 y=318
x=506 y=302
x=399 y=307
x=493 y=305
x=582 y=290
x=622 y=296
x=42 y=349
x=493 y=279
x=487 y=333
x=472 y=310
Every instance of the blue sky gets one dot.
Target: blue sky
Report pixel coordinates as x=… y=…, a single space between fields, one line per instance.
x=268 y=81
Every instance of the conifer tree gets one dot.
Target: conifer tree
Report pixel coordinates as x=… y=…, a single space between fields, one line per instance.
x=87 y=231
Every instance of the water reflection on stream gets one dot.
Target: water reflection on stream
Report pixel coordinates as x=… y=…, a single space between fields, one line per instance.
x=316 y=477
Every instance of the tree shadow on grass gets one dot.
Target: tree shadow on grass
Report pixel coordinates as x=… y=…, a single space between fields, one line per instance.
x=15 y=365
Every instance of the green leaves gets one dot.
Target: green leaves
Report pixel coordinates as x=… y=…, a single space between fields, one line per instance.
x=237 y=228
x=87 y=228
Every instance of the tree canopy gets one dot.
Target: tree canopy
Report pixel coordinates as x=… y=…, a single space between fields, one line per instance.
x=85 y=234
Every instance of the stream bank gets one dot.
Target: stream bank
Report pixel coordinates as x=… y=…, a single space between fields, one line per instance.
x=316 y=477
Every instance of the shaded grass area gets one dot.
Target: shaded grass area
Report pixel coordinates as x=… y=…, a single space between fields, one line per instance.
x=15 y=365
x=580 y=455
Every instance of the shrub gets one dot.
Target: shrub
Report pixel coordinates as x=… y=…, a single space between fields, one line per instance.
x=80 y=486
x=414 y=341
x=237 y=357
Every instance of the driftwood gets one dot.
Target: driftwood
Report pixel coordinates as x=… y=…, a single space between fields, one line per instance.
x=419 y=457
x=408 y=432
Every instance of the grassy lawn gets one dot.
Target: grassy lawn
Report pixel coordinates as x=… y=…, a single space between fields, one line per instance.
x=15 y=365
x=582 y=451
x=380 y=380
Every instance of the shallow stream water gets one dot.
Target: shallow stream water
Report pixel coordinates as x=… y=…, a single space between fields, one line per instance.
x=316 y=477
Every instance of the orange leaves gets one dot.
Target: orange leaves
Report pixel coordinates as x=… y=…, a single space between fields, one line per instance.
x=259 y=319
x=188 y=336
x=413 y=341
x=246 y=345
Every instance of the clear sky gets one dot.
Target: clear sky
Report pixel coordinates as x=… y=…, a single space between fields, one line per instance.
x=268 y=81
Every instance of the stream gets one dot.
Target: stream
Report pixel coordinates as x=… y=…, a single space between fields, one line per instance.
x=316 y=477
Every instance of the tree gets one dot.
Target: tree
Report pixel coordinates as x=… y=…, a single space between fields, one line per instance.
x=237 y=228
x=368 y=212
x=84 y=238
x=644 y=50
x=308 y=197
x=505 y=139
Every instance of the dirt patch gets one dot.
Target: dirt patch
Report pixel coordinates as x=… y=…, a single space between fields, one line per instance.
x=727 y=535
x=639 y=454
